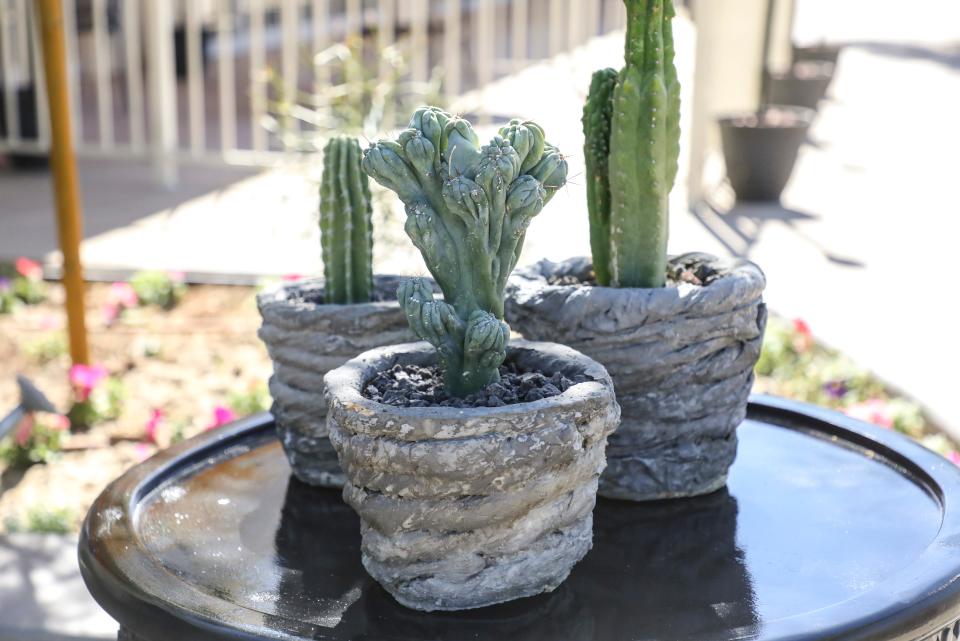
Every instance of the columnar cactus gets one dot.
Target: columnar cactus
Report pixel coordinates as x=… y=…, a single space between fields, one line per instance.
x=631 y=123
x=346 y=237
x=468 y=208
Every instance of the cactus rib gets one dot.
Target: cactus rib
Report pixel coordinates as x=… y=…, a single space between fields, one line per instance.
x=345 y=224
x=597 y=117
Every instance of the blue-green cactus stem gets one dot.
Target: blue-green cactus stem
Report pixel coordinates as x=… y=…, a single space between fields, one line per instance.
x=346 y=236
x=468 y=207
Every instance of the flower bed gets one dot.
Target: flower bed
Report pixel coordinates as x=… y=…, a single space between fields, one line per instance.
x=168 y=362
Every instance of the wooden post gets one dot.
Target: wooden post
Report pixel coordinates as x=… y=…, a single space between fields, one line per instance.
x=65 y=188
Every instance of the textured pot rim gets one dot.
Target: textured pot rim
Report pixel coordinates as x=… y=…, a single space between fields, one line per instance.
x=716 y=296
x=343 y=385
x=278 y=295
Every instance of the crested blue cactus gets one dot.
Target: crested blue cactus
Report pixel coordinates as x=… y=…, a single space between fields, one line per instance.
x=468 y=208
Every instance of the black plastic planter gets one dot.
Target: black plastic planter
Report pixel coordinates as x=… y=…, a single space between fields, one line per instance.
x=761 y=148
x=803 y=85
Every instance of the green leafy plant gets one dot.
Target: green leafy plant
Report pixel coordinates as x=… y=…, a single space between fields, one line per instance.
x=468 y=208
x=631 y=124
x=345 y=224
x=21 y=283
x=97 y=396
x=158 y=288
x=38 y=439
x=253 y=400
x=8 y=300
x=350 y=97
x=41 y=519
x=46 y=348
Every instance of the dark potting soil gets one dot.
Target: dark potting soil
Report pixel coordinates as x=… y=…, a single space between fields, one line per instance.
x=693 y=272
x=416 y=386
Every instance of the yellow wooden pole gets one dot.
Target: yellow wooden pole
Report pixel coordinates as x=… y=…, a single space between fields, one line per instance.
x=65 y=188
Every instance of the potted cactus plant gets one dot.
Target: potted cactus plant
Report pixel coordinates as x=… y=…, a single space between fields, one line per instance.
x=678 y=335
x=314 y=325
x=472 y=462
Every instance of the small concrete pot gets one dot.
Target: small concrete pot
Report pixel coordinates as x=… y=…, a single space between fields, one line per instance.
x=307 y=338
x=681 y=358
x=464 y=508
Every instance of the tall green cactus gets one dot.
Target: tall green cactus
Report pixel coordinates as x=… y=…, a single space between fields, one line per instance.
x=468 y=208
x=631 y=124
x=346 y=236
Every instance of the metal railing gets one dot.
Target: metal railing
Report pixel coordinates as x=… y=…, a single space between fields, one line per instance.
x=175 y=79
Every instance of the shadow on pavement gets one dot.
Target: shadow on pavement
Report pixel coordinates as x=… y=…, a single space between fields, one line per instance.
x=739 y=228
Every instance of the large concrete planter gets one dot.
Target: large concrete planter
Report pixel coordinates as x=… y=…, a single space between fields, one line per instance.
x=307 y=338
x=464 y=508
x=681 y=358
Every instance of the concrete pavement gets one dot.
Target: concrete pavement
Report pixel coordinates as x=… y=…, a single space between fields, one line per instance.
x=42 y=596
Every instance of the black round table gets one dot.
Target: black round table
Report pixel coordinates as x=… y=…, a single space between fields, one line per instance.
x=828 y=529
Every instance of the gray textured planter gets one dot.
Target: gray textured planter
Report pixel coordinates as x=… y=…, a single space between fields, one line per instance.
x=306 y=339
x=463 y=508
x=681 y=359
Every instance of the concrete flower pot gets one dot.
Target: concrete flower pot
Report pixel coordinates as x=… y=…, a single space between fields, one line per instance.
x=681 y=358
x=307 y=338
x=464 y=508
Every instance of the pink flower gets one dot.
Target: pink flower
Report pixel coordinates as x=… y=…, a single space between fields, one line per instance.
x=50 y=321
x=142 y=451
x=153 y=424
x=221 y=416
x=954 y=457
x=291 y=277
x=123 y=294
x=801 y=327
x=873 y=411
x=60 y=422
x=24 y=431
x=85 y=379
x=111 y=312
x=177 y=276
x=29 y=269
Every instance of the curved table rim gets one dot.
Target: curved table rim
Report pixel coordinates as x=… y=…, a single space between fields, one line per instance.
x=914 y=603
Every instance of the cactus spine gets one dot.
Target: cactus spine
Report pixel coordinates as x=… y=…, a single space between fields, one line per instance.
x=346 y=238
x=637 y=114
x=468 y=208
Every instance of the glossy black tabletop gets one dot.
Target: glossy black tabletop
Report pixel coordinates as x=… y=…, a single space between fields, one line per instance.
x=829 y=529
